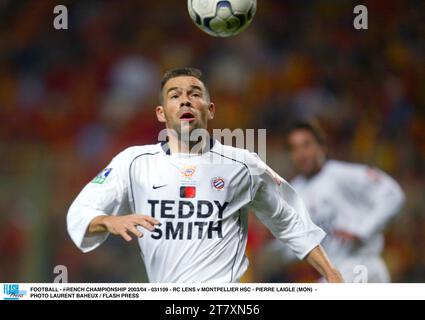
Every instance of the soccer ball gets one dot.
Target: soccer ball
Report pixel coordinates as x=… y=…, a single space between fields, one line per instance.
x=222 y=18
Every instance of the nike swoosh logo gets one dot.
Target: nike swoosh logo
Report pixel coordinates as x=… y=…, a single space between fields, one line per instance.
x=157 y=187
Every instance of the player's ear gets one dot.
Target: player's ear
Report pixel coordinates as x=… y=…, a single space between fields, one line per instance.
x=211 y=111
x=160 y=113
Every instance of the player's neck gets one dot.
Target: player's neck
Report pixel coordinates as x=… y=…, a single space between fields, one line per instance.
x=314 y=172
x=177 y=145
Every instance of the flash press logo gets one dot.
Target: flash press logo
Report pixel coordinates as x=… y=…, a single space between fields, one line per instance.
x=12 y=292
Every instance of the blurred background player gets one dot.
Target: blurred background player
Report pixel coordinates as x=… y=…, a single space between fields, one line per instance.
x=351 y=202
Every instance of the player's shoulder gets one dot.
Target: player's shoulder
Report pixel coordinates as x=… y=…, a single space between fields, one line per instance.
x=245 y=157
x=338 y=166
x=237 y=154
x=255 y=166
x=131 y=153
x=347 y=171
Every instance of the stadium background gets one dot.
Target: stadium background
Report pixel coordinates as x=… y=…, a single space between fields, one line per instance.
x=71 y=99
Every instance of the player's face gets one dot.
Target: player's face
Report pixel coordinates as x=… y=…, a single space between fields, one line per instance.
x=186 y=105
x=306 y=153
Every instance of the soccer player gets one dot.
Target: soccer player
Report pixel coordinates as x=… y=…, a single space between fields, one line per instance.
x=351 y=202
x=186 y=200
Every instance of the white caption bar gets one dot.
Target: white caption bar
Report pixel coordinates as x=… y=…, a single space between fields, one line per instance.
x=264 y=291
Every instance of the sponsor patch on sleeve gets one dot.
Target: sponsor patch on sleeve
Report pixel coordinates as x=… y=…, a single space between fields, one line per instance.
x=101 y=177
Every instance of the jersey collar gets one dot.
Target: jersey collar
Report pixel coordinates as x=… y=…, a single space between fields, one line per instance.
x=165 y=147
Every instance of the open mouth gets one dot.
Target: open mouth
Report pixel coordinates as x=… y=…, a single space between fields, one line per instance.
x=187 y=116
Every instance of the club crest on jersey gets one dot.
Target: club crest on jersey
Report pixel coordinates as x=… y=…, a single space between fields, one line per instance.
x=217 y=184
x=101 y=177
x=188 y=172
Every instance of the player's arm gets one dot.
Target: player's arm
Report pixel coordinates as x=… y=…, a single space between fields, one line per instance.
x=320 y=261
x=101 y=208
x=282 y=210
x=123 y=226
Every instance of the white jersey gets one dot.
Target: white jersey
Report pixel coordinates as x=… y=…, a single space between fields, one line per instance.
x=356 y=199
x=202 y=203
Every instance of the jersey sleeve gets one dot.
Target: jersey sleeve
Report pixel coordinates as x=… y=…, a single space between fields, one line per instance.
x=281 y=209
x=106 y=194
x=369 y=199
